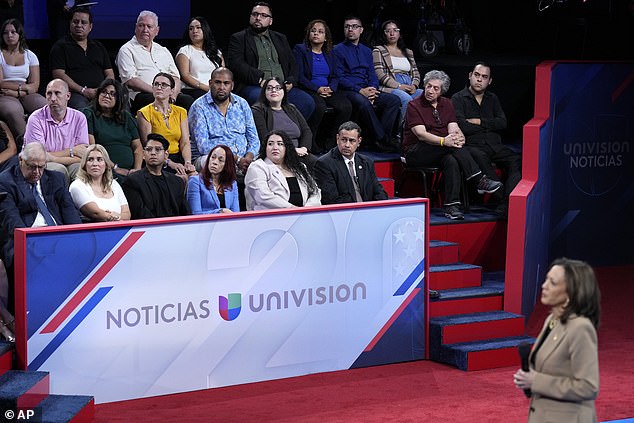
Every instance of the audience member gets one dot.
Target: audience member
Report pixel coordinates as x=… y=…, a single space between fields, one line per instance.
x=344 y=175
x=359 y=83
x=80 y=61
x=8 y=147
x=58 y=14
x=140 y=59
x=277 y=179
x=258 y=53
x=35 y=197
x=215 y=189
x=431 y=137
x=19 y=78
x=395 y=66
x=62 y=130
x=95 y=193
x=274 y=112
x=563 y=376
x=169 y=120
x=221 y=117
x=198 y=57
x=317 y=76
x=481 y=118
x=152 y=192
x=111 y=125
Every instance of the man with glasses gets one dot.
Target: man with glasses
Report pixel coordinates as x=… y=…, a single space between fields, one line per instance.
x=35 y=197
x=80 y=61
x=221 y=117
x=345 y=176
x=62 y=130
x=481 y=118
x=140 y=59
x=358 y=81
x=152 y=192
x=258 y=53
x=431 y=137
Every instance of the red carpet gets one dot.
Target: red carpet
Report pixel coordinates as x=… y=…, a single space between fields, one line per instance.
x=420 y=391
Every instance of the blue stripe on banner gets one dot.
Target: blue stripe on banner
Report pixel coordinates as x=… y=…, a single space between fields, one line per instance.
x=69 y=328
x=418 y=270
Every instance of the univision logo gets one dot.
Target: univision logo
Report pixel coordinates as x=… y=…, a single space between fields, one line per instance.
x=229 y=308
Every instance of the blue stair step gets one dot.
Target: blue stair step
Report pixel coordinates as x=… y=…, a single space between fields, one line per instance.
x=20 y=389
x=67 y=408
x=459 y=319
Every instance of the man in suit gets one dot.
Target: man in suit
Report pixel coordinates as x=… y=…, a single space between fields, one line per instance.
x=152 y=192
x=21 y=208
x=257 y=53
x=345 y=176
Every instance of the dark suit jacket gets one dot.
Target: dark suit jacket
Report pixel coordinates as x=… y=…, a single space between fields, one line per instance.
x=567 y=379
x=144 y=200
x=19 y=209
x=304 y=59
x=336 y=185
x=242 y=58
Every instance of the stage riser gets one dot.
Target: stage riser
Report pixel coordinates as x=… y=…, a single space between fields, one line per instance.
x=454 y=276
x=443 y=252
x=451 y=334
x=6 y=357
x=465 y=306
x=27 y=390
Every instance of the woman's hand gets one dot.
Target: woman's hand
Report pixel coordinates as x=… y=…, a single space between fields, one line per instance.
x=226 y=211
x=177 y=167
x=301 y=151
x=190 y=168
x=524 y=380
x=324 y=91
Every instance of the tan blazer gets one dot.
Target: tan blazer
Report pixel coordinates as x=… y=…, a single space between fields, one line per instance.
x=266 y=188
x=567 y=379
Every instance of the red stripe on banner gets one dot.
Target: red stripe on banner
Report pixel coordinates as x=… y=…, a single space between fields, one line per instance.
x=392 y=319
x=92 y=282
x=625 y=84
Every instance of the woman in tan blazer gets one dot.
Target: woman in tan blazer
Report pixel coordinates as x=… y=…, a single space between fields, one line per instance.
x=564 y=363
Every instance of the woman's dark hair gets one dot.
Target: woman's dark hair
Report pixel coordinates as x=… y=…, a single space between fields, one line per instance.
x=584 y=297
x=262 y=99
x=400 y=44
x=291 y=159
x=228 y=174
x=209 y=42
x=165 y=75
x=120 y=100
x=327 y=47
x=19 y=29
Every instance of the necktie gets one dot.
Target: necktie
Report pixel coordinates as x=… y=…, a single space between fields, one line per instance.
x=41 y=205
x=355 y=182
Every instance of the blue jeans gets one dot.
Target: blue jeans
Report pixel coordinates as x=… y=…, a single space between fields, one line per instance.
x=405 y=98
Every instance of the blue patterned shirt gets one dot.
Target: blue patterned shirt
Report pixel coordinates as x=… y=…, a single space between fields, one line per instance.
x=208 y=127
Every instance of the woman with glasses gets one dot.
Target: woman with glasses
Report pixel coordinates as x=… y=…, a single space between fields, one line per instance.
x=111 y=125
x=95 y=193
x=164 y=118
x=198 y=57
x=274 y=112
x=19 y=78
x=215 y=190
x=277 y=179
x=395 y=66
x=316 y=66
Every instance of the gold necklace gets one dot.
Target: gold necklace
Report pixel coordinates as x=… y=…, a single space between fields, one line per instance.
x=165 y=115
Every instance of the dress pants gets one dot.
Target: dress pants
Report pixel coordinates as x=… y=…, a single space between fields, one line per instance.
x=378 y=128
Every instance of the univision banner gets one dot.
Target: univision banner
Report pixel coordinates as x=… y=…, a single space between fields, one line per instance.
x=143 y=310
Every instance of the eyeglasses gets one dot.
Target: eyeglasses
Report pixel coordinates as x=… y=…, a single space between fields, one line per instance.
x=436 y=116
x=111 y=94
x=260 y=15
x=154 y=149
x=33 y=167
x=274 y=88
x=161 y=85
x=351 y=26
x=396 y=30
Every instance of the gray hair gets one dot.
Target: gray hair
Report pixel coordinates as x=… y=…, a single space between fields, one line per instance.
x=33 y=149
x=444 y=79
x=146 y=13
x=349 y=126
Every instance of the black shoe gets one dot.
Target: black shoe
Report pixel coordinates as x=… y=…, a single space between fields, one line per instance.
x=433 y=294
x=486 y=185
x=453 y=213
